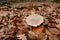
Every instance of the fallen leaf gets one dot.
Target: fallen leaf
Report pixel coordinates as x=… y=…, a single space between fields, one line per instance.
x=32 y=36
x=58 y=26
x=54 y=31
x=42 y=36
x=53 y=37
x=50 y=38
x=21 y=36
x=38 y=30
x=57 y=20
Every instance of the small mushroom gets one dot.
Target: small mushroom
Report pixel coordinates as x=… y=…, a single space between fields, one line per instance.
x=34 y=20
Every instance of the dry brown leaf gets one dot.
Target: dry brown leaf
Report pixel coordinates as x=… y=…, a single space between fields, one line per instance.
x=23 y=31
x=15 y=30
x=53 y=37
x=51 y=25
x=50 y=38
x=47 y=32
x=22 y=23
x=35 y=32
x=54 y=31
x=32 y=36
x=38 y=30
x=42 y=36
x=58 y=26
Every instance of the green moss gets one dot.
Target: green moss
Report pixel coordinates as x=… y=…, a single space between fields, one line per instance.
x=56 y=1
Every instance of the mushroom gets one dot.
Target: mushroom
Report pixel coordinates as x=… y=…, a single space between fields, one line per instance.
x=34 y=20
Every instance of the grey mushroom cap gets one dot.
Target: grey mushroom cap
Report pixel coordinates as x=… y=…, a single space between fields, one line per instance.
x=34 y=20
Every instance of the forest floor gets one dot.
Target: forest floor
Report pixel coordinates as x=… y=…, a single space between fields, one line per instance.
x=13 y=24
